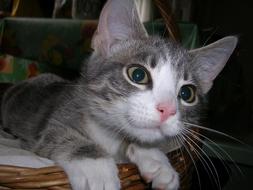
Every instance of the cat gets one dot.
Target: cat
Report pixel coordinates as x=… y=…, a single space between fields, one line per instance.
x=134 y=93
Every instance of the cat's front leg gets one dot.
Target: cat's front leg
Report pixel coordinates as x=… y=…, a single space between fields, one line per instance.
x=154 y=166
x=92 y=174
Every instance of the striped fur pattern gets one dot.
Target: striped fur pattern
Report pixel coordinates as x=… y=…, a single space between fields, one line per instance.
x=105 y=117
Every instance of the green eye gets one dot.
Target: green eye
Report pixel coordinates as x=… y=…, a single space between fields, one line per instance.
x=188 y=93
x=138 y=74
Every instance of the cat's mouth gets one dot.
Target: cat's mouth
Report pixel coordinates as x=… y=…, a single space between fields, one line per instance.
x=156 y=128
x=161 y=131
x=153 y=131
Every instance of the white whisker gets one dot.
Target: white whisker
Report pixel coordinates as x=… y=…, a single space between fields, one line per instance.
x=217 y=132
x=208 y=146
x=180 y=149
x=214 y=151
x=204 y=162
x=211 y=35
x=191 y=157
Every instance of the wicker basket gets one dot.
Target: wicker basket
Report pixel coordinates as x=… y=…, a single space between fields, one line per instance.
x=54 y=178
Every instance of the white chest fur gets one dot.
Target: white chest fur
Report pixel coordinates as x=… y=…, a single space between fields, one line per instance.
x=109 y=142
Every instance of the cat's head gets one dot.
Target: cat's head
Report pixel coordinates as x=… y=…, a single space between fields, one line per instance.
x=144 y=87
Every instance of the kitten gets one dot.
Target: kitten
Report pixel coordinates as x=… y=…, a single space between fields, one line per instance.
x=134 y=93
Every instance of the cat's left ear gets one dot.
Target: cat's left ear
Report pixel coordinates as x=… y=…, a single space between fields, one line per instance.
x=210 y=60
x=119 y=20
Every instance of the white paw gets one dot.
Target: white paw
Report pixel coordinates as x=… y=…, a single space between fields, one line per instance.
x=154 y=167
x=92 y=174
x=165 y=178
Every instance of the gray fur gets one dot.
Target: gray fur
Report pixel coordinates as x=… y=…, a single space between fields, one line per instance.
x=52 y=116
x=42 y=110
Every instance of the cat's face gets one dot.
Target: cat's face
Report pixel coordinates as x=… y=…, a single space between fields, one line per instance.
x=145 y=90
x=144 y=87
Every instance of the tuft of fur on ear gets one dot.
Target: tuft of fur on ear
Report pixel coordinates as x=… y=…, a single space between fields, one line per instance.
x=208 y=61
x=119 y=20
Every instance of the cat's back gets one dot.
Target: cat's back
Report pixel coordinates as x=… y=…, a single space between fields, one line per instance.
x=24 y=104
x=30 y=89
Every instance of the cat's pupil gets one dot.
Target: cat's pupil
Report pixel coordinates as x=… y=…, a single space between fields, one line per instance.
x=138 y=75
x=187 y=93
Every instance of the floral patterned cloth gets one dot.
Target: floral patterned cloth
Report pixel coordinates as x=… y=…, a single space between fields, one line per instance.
x=29 y=46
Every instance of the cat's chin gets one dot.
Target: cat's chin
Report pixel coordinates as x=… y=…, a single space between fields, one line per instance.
x=152 y=134
x=156 y=133
x=171 y=130
x=148 y=135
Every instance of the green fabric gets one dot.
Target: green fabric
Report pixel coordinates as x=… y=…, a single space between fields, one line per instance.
x=41 y=45
x=189 y=35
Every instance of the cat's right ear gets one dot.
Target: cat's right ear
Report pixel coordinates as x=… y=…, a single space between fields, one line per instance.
x=119 y=20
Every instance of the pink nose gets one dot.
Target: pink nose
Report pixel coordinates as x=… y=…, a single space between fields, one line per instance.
x=165 y=110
